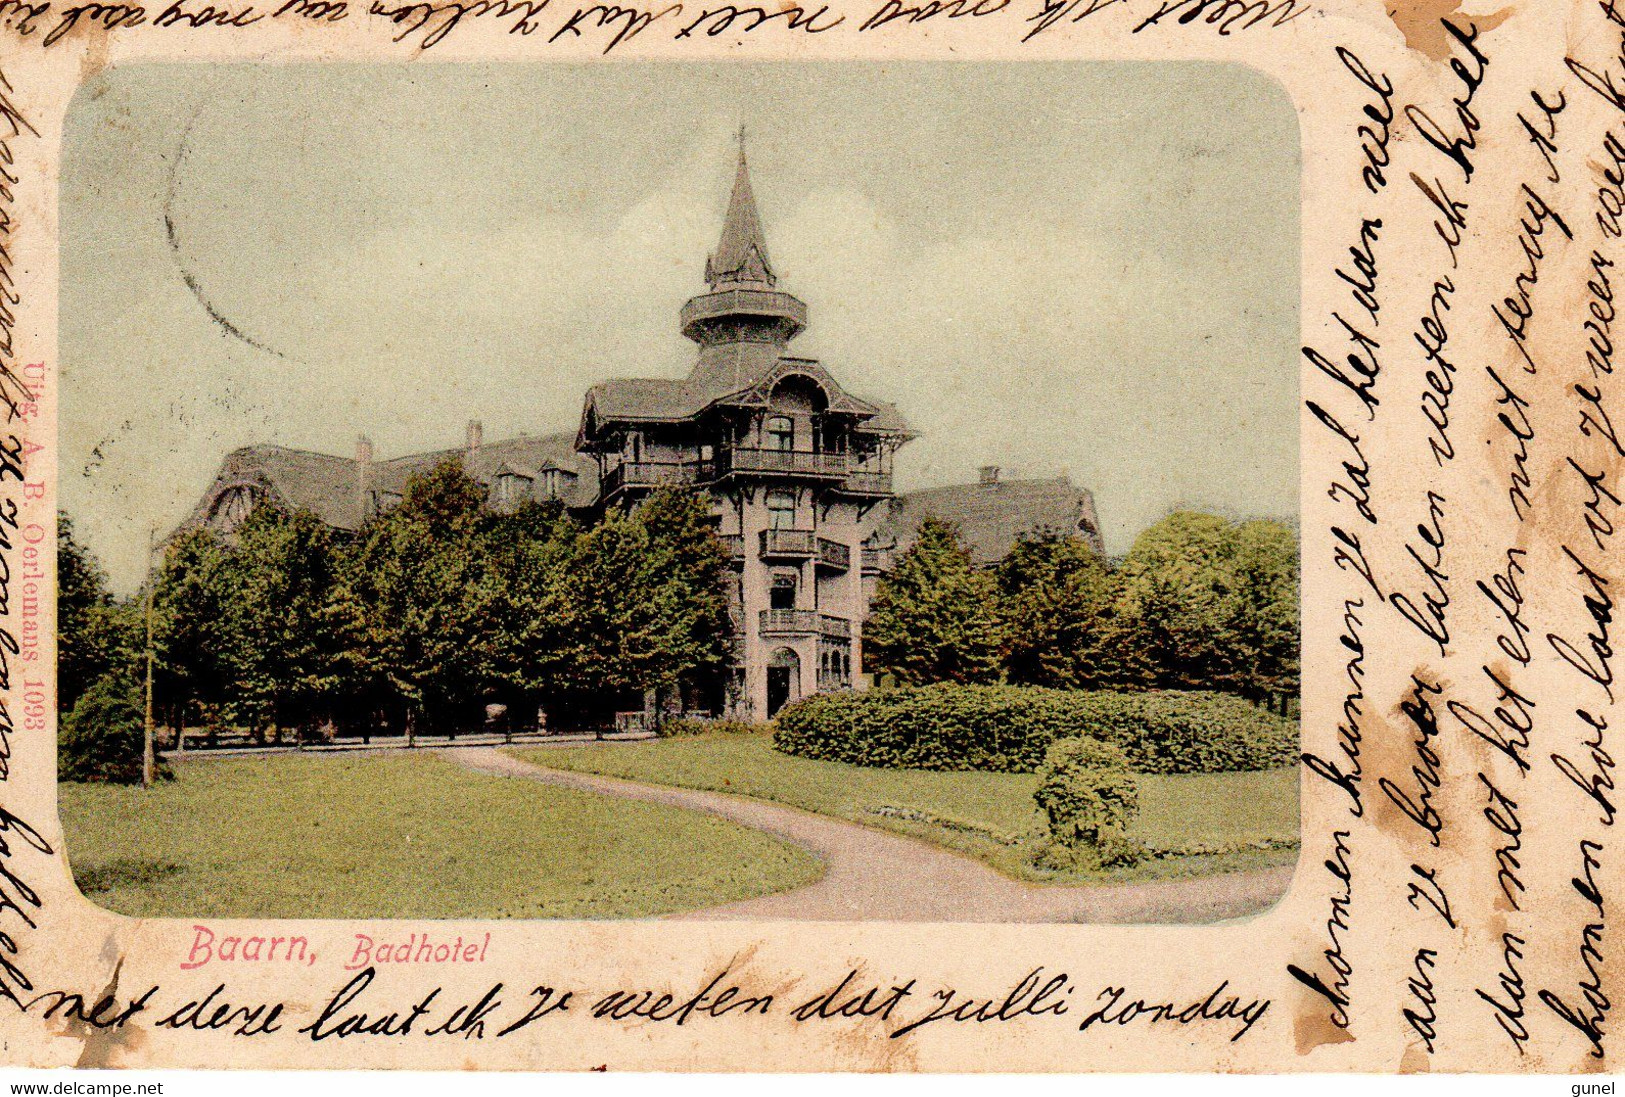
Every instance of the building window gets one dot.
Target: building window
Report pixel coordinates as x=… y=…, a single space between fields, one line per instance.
x=834 y=667
x=782 y=594
x=232 y=508
x=781 y=509
x=781 y=433
x=511 y=491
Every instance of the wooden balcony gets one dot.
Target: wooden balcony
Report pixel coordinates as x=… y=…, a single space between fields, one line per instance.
x=833 y=555
x=711 y=306
x=789 y=622
x=734 y=545
x=750 y=461
x=877 y=561
x=836 y=628
x=788 y=544
x=804 y=622
x=872 y=485
x=650 y=474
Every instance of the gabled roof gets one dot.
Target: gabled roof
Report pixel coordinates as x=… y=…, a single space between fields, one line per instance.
x=991 y=516
x=638 y=398
x=526 y=455
x=887 y=420
x=296 y=479
x=736 y=374
x=330 y=486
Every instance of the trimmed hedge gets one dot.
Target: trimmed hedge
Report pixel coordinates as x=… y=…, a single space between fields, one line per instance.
x=1008 y=728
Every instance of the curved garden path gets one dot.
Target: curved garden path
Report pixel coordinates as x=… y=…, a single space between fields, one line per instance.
x=871 y=875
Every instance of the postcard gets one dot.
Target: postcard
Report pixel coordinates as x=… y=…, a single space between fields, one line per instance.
x=1014 y=535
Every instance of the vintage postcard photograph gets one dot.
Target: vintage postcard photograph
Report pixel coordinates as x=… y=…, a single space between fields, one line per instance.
x=890 y=536
x=776 y=511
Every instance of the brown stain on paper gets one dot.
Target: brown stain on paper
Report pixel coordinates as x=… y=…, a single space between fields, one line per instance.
x=1312 y=1027
x=1419 y=22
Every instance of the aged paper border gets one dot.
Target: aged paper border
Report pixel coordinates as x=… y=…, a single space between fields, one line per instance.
x=1467 y=933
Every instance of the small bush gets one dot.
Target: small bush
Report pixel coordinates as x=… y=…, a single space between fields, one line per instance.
x=125 y=873
x=102 y=738
x=1089 y=796
x=1009 y=728
x=686 y=726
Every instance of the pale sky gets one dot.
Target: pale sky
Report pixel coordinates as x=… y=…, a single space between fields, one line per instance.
x=1079 y=267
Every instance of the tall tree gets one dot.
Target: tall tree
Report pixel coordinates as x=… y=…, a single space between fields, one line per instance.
x=1177 y=584
x=531 y=551
x=643 y=602
x=1063 y=624
x=424 y=580
x=189 y=638
x=86 y=647
x=690 y=569
x=935 y=618
x=1261 y=622
x=289 y=633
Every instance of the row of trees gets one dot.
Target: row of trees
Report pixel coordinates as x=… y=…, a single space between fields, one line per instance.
x=438 y=607
x=1199 y=602
x=441 y=606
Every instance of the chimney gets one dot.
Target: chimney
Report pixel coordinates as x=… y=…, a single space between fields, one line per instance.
x=475 y=434
x=363 y=477
x=990 y=474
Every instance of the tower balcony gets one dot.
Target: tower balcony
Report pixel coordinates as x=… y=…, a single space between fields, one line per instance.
x=760 y=305
x=751 y=461
x=650 y=474
x=734 y=545
x=804 y=622
x=870 y=485
x=877 y=561
x=788 y=544
x=789 y=622
x=834 y=628
x=833 y=556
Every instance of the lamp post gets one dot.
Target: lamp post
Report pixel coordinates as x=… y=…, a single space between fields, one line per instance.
x=148 y=756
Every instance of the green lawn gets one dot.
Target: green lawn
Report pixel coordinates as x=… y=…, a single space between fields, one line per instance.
x=1203 y=823
x=403 y=836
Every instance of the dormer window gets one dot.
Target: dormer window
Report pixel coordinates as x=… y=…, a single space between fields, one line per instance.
x=555 y=483
x=511 y=490
x=781 y=433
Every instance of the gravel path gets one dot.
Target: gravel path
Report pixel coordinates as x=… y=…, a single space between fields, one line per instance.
x=871 y=875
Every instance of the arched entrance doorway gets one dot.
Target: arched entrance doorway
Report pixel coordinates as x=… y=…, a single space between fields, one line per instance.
x=783 y=679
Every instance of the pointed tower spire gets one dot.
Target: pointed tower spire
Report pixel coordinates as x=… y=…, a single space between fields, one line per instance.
x=744 y=304
x=741 y=255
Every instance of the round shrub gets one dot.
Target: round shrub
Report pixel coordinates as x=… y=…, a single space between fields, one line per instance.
x=1008 y=728
x=1089 y=796
x=102 y=738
